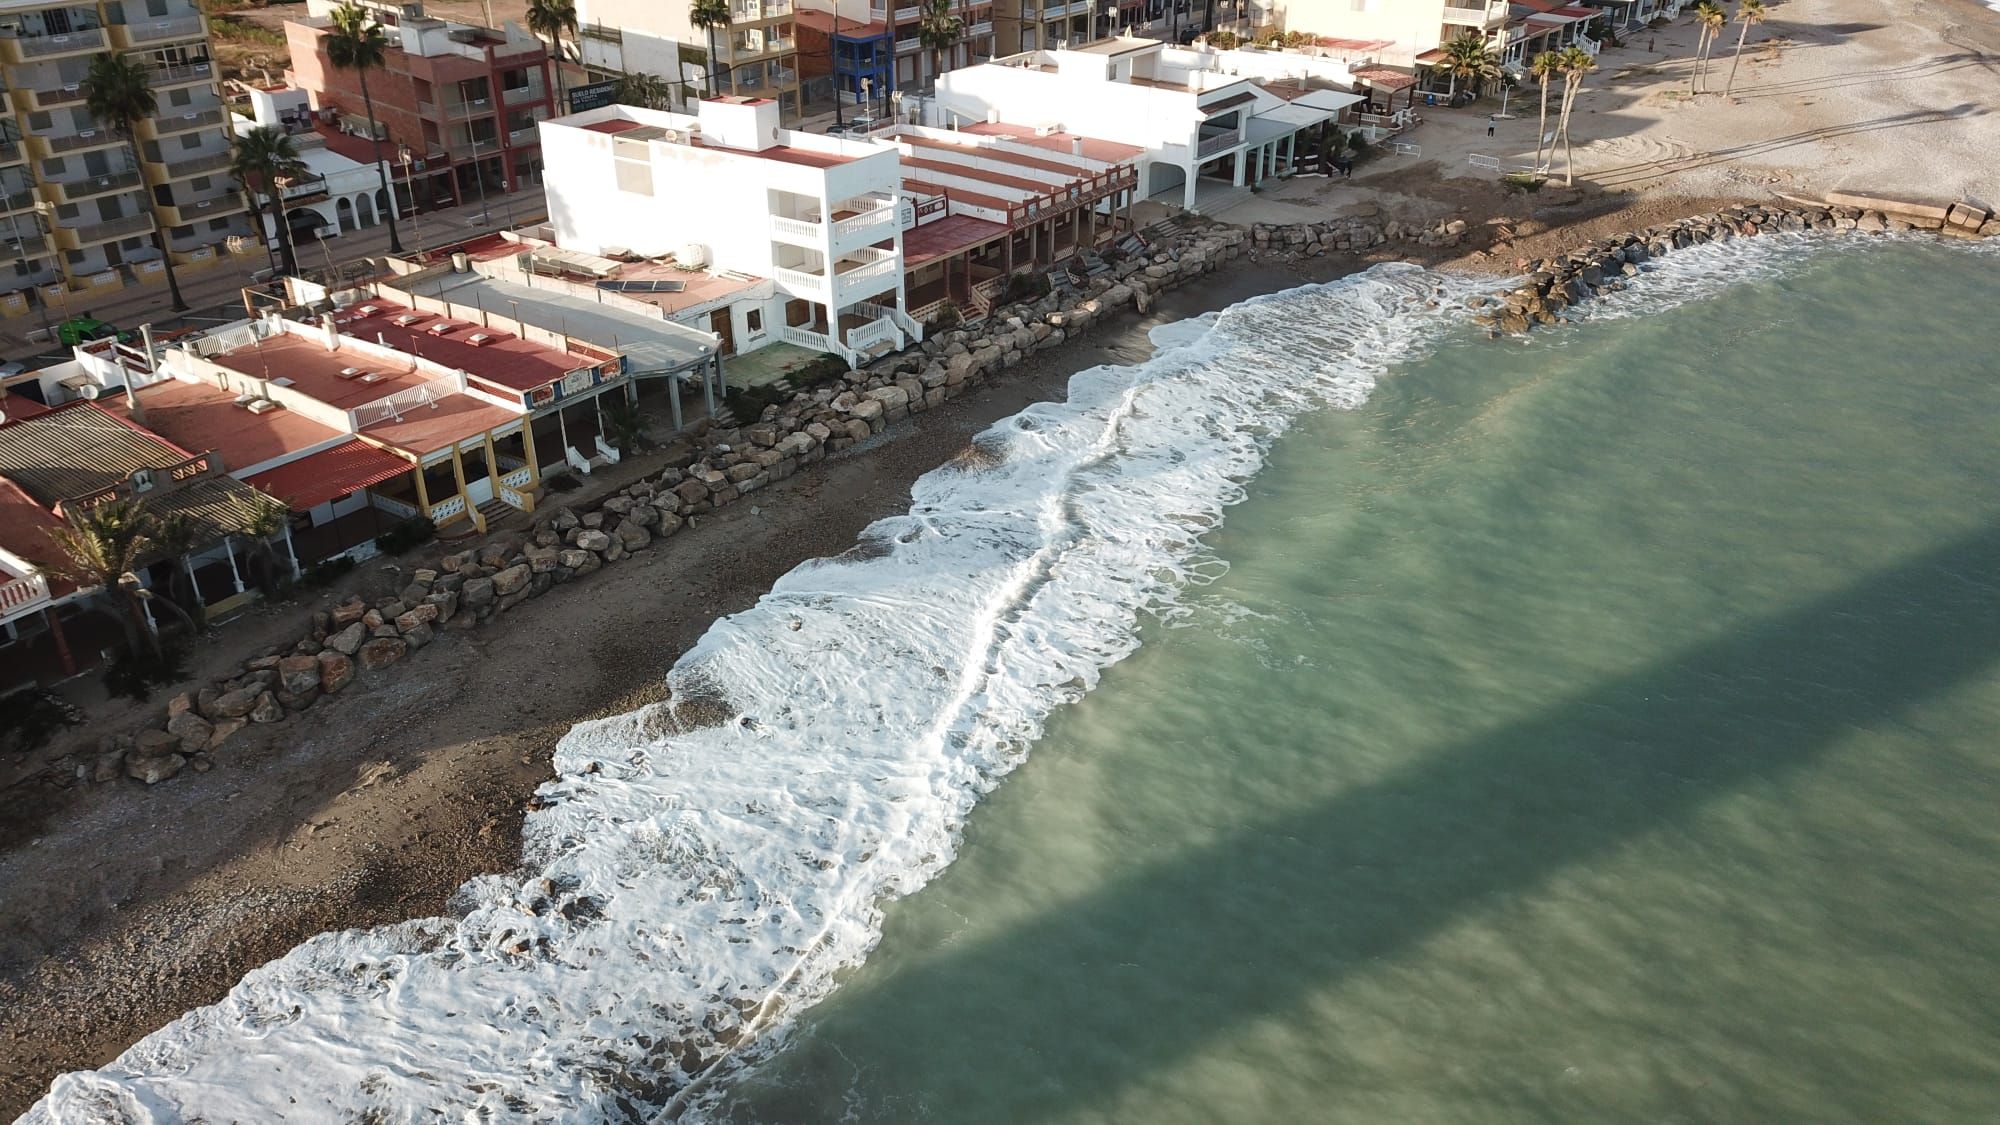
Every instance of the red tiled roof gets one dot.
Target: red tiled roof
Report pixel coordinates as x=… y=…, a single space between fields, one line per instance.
x=315 y=372
x=200 y=417
x=979 y=175
x=24 y=530
x=507 y=360
x=946 y=237
x=1382 y=78
x=316 y=478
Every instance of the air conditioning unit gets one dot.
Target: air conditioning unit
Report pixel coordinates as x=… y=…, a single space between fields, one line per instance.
x=262 y=406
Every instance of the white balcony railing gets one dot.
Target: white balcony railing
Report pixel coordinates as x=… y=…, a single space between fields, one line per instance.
x=800 y=337
x=864 y=229
x=797 y=231
x=517 y=478
x=865 y=281
x=23 y=593
x=874 y=334
x=443 y=511
x=800 y=282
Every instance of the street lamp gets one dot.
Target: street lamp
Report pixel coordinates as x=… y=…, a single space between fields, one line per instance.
x=407 y=158
x=868 y=95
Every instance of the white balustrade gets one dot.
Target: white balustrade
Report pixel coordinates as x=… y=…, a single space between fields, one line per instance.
x=445 y=510
x=24 y=592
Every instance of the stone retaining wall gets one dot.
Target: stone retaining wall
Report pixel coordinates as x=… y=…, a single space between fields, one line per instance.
x=706 y=470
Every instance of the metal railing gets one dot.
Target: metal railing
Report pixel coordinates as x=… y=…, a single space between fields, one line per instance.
x=1221 y=142
x=108 y=229
x=10 y=152
x=32 y=46
x=73 y=190
x=62 y=95
x=23 y=200
x=27 y=246
x=185 y=72
x=164 y=125
x=523 y=136
x=531 y=93
x=153 y=30
x=195 y=166
x=89 y=138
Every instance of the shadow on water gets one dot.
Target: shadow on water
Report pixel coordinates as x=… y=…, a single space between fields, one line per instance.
x=1414 y=851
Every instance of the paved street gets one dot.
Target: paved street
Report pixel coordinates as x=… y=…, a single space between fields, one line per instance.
x=215 y=293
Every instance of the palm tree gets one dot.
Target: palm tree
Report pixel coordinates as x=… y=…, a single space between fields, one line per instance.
x=259 y=518
x=709 y=15
x=1576 y=62
x=641 y=89
x=356 y=43
x=939 y=28
x=175 y=536
x=553 y=20
x=1544 y=67
x=267 y=156
x=1749 y=13
x=118 y=92
x=1710 y=17
x=1468 y=56
x=103 y=545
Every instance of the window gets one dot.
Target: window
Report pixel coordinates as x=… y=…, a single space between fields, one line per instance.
x=199 y=183
x=190 y=141
x=156 y=8
x=142 y=480
x=179 y=98
x=754 y=320
x=218 y=224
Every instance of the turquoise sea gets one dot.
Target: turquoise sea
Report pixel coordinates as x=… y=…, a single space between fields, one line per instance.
x=1605 y=728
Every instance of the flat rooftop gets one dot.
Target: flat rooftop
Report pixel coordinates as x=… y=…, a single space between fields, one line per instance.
x=307 y=367
x=632 y=129
x=697 y=288
x=496 y=356
x=1110 y=152
x=652 y=344
x=204 y=418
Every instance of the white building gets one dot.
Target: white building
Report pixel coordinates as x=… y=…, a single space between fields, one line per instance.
x=729 y=191
x=1233 y=116
x=755 y=55
x=336 y=193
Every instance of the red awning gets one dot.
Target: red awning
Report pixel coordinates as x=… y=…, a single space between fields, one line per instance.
x=313 y=480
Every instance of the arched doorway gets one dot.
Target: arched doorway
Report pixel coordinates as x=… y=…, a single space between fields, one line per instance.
x=364 y=212
x=345 y=211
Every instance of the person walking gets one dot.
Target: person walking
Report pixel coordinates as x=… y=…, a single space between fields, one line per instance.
x=1489 y=124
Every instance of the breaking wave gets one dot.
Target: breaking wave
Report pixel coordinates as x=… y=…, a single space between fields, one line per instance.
x=702 y=868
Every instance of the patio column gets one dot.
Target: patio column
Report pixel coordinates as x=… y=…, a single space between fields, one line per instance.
x=63 y=656
x=235 y=575
x=1240 y=169
x=291 y=550
x=187 y=564
x=1193 y=172
x=674 y=395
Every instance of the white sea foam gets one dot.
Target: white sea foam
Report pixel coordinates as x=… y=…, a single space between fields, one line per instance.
x=691 y=885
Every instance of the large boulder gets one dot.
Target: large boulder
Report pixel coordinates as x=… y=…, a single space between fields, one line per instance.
x=224 y=731
x=511 y=580
x=153 y=769
x=476 y=593
x=348 y=639
x=446 y=602
x=593 y=540
x=268 y=709
x=336 y=671
x=634 y=537
x=580 y=561
x=423 y=614
x=192 y=730
x=154 y=743
x=235 y=704
x=384 y=651
x=346 y=613
x=418 y=634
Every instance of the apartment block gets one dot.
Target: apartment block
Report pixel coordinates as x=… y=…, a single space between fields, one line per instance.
x=464 y=101
x=850 y=39
x=755 y=56
x=78 y=202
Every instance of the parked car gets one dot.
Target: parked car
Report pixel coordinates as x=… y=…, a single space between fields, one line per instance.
x=11 y=368
x=85 y=328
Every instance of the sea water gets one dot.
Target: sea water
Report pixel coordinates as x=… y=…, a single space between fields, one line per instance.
x=1598 y=727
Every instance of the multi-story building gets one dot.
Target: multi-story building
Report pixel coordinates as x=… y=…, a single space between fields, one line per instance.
x=79 y=203
x=755 y=55
x=850 y=40
x=728 y=189
x=463 y=101
x=1225 y=118
x=341 y=189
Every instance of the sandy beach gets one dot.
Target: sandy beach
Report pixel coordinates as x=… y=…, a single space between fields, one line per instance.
x=121 y=907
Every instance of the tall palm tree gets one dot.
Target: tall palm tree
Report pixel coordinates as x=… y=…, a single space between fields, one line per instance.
x=104 y=544
x=554 y=20
x=1576 y=62
x=1544 y=67
x=118 y=92
x=939 y=29
x=1749 y=13
x=1709 y=16
x=356 y=43
x=709 y=15
x=267 y=156
x=1469 y=57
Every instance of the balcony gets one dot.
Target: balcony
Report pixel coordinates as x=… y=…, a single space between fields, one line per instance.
x=201 y=211
x=734 y=53
x=301 y=188
x=60 y=96
x=977 y=30
x=523 y=95
x=521 y=138
x=23 y=200
x=193 y=166
x=799 y=283
x=90 y=234
x=19 y=49
x=45 y=146
x=75 y=191
x=864 y=229
x=159 y=31
x=186 y=74
x=750 y=11
x=1208 y=147
x=856 y=278
x=24 y=594
x=1476 y=15
x=185 y=122
x=22 y=247
x=10 y=153
x=798 y=232
x=777 y=78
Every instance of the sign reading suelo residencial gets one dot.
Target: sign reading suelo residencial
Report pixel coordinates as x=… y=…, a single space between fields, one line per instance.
x=596 y=95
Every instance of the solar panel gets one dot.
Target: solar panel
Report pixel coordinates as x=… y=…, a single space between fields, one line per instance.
x=662 y=286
